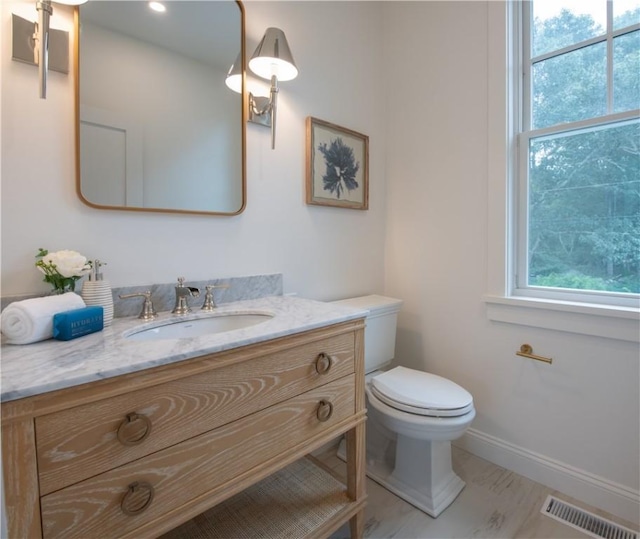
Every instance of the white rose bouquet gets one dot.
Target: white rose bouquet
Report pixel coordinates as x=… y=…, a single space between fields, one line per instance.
x=62 y=269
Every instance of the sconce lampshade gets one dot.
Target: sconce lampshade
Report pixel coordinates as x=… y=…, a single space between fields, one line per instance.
x=273 y=57
x=234 y=77
x=71 y=2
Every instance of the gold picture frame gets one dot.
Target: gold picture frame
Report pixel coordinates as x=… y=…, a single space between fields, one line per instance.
x=337 y=166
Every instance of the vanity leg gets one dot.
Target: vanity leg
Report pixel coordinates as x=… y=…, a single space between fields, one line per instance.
x=19 y=473
x=356 y=486
x=356 y=525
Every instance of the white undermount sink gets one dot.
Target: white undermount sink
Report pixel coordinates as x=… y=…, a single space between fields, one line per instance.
x=199 y=327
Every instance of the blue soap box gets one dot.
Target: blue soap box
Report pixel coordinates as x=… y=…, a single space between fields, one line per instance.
x=78 y=322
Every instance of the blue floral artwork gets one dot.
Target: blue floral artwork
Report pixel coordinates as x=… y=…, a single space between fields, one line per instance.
x=337 y=166
x=342 y=167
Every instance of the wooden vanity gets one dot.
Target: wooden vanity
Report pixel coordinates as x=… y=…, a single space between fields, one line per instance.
x=137 y=455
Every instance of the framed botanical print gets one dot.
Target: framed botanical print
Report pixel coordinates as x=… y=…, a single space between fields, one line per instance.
x=337 y=166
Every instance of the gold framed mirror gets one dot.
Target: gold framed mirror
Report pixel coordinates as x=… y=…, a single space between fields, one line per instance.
x=157 y=129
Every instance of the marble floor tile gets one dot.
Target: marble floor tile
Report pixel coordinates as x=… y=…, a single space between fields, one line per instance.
x=496 y=503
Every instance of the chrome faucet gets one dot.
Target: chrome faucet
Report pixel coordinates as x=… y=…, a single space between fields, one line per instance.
x=148 y=312
x=209 y=303
x=182 y=293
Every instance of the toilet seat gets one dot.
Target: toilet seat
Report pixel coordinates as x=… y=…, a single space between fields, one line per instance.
x=421 y=393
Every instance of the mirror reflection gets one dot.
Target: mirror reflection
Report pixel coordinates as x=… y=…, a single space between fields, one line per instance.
x=158 y=128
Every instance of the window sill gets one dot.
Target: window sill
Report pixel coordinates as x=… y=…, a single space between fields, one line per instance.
x=585 y=319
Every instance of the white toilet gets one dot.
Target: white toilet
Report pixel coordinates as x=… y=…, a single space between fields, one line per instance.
x=412 y=417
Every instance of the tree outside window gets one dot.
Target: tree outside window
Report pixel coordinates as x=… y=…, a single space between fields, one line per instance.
x=581 y=135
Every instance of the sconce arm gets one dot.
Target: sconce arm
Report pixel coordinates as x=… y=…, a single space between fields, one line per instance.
x=41 y=39
x=274 y=107
x=259 y=105
x=262 y=110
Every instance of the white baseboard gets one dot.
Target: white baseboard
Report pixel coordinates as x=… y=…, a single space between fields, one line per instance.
x=594 y=490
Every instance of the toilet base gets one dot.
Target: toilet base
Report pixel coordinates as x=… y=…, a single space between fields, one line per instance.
x=432 y=503
x=427 y=482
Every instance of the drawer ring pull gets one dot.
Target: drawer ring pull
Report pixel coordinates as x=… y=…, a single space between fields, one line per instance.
x=132 y=490
x=324 y=411
x=323 y=363
x=132 y=418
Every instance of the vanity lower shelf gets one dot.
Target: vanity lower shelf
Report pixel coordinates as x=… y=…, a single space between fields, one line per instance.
x=297 y=501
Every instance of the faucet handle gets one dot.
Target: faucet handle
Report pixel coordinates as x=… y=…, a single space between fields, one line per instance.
x=148 y=312
x=209 y=303
x=180 y=281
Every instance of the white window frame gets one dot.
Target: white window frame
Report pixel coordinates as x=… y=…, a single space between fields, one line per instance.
x=526 y=133
x=504 y=300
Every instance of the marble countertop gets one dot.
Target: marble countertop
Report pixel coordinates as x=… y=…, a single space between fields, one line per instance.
x=37 y=368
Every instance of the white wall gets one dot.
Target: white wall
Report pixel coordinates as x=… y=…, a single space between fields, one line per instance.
x=324 y=253
x=574 y=424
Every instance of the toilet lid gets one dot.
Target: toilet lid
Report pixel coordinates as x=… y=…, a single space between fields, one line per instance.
x=421 y=393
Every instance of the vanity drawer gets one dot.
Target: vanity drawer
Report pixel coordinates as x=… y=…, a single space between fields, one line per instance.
x=87 y=440
x=192 y=468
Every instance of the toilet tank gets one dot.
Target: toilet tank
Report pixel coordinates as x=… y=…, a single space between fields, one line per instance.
x=380 y=330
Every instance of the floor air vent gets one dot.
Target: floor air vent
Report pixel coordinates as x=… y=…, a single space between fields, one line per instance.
x=584 y=521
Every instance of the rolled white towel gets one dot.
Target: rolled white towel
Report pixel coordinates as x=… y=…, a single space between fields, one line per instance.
x=31 y=320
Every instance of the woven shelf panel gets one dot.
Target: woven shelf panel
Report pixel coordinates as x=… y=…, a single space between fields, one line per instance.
x=288 y=504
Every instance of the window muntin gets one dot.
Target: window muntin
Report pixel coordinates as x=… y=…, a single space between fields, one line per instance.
x=579 y=209
x=626 y=71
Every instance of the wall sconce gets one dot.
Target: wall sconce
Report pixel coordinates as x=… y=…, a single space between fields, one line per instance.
x=31 y=42
x=273 y=61
x=234 y=77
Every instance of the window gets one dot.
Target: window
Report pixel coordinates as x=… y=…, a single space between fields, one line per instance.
x=578 y=152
